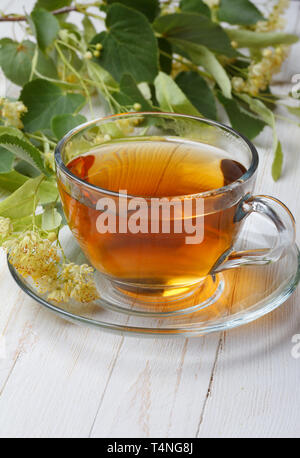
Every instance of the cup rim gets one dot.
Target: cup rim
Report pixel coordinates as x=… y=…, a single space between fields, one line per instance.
x=213 y=192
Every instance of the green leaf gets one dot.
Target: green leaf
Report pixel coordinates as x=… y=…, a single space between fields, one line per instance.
x=7 y=130
x=51 y=219
x=89 y=30
x=12 y=181
x=171 y=98
x=21 y=202
x=24 y=150
x=248 y=39
x=16 y=62
x=24 y=224
x=240 y=119
x=165 y=62
x=26 y=169
x=198 y=92
x=241 y=12
x=62 y=124
x=48 y=192
x=195 y=6
x=130 y=94
x=129 y=45
x=45 y=26
x=6 y=157
x=104 y=83
x=6 y=160
x=277 y=162
x=101 y=76
x=187 y=28
x=51 y=5
x=293 y=110
x=150 y=8
x=51 y=101
x=258 y=107
x=201 y=56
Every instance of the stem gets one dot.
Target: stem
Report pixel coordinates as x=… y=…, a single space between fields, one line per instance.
x=187 y=63
x=68 y=9
x=72 y=69
x=35 y=201
x=41 y=139
x=284 y=118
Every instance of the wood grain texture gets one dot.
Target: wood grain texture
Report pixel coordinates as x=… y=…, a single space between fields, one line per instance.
x=60 y=380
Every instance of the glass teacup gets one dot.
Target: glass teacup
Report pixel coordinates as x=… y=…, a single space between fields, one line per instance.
x=157 y=202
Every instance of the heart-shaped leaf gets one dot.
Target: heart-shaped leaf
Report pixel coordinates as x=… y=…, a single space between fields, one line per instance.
x=6 y=156
x=62 y=124
x=195 y=6
x=198 y=92
x=52 y=5
x=24 y=150
x=202 y=56
x=44 y=100
x=130 y=94
x=45 y=27
x=6 y=160
x=194 y=28
x=21 y=202
x=240 y=119
x=122 y=50
x=150 y=8
x=16 y=61
x=171 y=98
x=241 y=12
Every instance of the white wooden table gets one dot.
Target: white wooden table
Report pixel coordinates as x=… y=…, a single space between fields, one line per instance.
x=60 y=380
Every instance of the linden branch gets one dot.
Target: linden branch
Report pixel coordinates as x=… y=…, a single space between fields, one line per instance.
x=79 y=8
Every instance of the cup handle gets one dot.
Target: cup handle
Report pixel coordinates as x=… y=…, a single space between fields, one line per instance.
x=284 y=222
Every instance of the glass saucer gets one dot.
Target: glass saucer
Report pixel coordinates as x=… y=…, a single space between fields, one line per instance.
x=247 y=294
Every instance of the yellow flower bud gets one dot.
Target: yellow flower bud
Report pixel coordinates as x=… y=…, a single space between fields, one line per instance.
x=267 y=52
x=99 y=46
x=88 y=55
x=52 y=236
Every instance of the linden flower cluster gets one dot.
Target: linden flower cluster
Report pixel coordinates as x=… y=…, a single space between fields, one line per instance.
x=275 y=20
x=36 y=257
x=76 y=282
x=32 y=255
x=260 y=73
x=5 y=227
x=12 y=112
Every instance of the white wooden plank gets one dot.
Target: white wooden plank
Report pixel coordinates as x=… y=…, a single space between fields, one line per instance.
x=56 y=383
x=154 y=383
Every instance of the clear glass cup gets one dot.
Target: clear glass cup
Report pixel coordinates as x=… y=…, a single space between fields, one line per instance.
x=152 y=269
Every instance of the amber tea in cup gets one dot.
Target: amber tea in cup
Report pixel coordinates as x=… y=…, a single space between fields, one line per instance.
x=170 y=157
